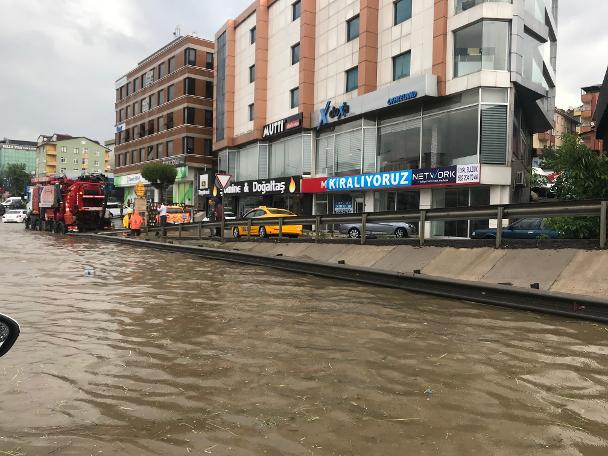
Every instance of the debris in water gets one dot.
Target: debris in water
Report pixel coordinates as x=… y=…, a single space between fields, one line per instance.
x=428 y=393
x=89 y=271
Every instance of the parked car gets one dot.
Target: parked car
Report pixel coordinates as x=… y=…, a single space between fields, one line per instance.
x=113 y=209
x=13 y=202
x=15 y=216
x=263 y=231
x=527 y=228
x=201 y=217
x=399 y=229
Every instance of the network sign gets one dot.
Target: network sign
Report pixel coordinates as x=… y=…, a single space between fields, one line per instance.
x=390 y=179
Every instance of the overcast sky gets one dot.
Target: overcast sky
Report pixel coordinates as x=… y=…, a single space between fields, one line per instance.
x=60 y=58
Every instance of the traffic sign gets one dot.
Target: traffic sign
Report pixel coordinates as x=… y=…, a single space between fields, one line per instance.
x=223 y=180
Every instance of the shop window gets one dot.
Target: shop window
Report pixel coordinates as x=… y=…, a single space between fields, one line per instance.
x=397 y=201
x=348 y=152
x=286 y=157
x=455 y=198
x=450 y=138
x=251 y=73
x=190 y=86
x=483 y=45
x=189 y=115
x=296 y=10
x=188 y=146
x=352 y=28
x=252 y=35
x=209 y=61
x=401 y=65
x=247 y=163
x=295 y=53
x=402 y=11
x=190 y=56
x=294 y=98
x=399 y=146
x=352 y=79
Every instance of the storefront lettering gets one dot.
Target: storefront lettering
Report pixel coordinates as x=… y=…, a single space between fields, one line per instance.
x=281 y=126
x=370 y=181
x=333 y=112
x=263 y=187
x=403 y=97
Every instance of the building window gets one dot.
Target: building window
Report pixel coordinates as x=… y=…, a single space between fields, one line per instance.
x=296 y=10
x=160 y=150
x=171 y=92
x=169 y=120
x=161 y=123
x=171 y=65
x=85 y=150
x=161 y=70
x=484 y=45
x=161 y=97
x=169 y=148
x=294 y=98
x=252 y=35
x=76 y=150
x=188 y=145
x=62 y=159
x=189 y=86
x=135 y=108
x=190 y=56
x=76 y=161
x=64 y=149
x=401 y=65
x=352 y=79
x=403 y=11
x=250 y=111
x=209 y=61
x=96 y=162
x=208 y=118
x=295 y=53
x=189 y=115
x=352 y=28
x=128 y=111
x=149 y=153
x=252 y=73
x=207 y=146
x=62 y=171
x=209 y=89
x=135 y=85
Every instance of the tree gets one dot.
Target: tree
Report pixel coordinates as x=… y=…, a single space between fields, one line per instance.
x=14 y=178
x=160 y=175
x=583 y=174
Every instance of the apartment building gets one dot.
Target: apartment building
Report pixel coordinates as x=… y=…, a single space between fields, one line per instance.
x=381 y=105
x=71 y=156
x=564 y=122
x=587 y=128
x=164 y=113
x=14 y=151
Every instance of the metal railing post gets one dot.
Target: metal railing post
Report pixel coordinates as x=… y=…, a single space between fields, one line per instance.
x=280 y=228
x=363 y=228
x=179 y=230
x=249 y=229
x=200 y=230
x=421 y=229
x=222 y=228
x=603 y=221
x=317 y=228
x=499 y=214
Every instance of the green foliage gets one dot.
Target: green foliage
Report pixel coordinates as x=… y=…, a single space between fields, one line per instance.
x=160 y=175
x=14 y=178
x=583 y=174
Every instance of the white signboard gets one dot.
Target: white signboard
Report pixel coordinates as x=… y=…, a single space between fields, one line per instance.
x=467 y=174
x=203 y=181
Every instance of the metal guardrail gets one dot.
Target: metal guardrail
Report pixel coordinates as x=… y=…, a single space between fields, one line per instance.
x=582 y=208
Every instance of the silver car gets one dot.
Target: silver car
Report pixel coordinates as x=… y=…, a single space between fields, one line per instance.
x=398 y=229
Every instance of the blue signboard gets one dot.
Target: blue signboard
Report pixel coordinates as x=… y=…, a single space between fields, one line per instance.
x=403 y=97
x=390 y=179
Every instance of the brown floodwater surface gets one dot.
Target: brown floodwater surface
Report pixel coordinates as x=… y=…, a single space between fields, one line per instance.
x=166 y=354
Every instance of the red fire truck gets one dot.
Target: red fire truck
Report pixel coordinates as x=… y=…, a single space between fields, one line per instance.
x=61 y=204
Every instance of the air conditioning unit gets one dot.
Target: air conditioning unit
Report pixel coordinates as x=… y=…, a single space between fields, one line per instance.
x=520 y=179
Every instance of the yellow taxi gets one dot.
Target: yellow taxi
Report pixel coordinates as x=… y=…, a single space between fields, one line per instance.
x=263 y=231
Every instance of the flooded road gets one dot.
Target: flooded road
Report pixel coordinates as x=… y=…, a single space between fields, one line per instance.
x=166 y=354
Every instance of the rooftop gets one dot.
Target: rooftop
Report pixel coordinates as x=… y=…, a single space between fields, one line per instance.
x=18 y=142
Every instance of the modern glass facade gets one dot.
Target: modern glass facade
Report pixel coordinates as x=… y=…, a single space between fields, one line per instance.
x=18 y=153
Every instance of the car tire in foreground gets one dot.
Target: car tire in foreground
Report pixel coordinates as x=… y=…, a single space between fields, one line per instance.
x=401 y=232
x=354 y=233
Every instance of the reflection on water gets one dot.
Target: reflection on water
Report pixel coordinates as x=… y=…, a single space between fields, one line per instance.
x=160 y=353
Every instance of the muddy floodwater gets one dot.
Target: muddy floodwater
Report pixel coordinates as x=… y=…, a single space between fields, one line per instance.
x=128 y=351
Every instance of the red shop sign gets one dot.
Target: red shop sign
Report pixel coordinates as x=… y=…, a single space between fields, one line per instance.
x=313 y=185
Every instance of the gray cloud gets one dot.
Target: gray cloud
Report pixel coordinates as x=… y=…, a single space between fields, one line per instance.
x=60 y=58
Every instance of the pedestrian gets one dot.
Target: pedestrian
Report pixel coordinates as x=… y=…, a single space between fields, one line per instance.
x=125 y=219
x=219 y=216
x=162 y=212
x=135 y=223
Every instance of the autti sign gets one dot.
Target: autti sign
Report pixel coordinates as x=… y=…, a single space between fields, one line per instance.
x=281 y=126
x=448 y=175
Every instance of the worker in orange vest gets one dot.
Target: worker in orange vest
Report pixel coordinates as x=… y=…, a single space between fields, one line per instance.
x=135 y=223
